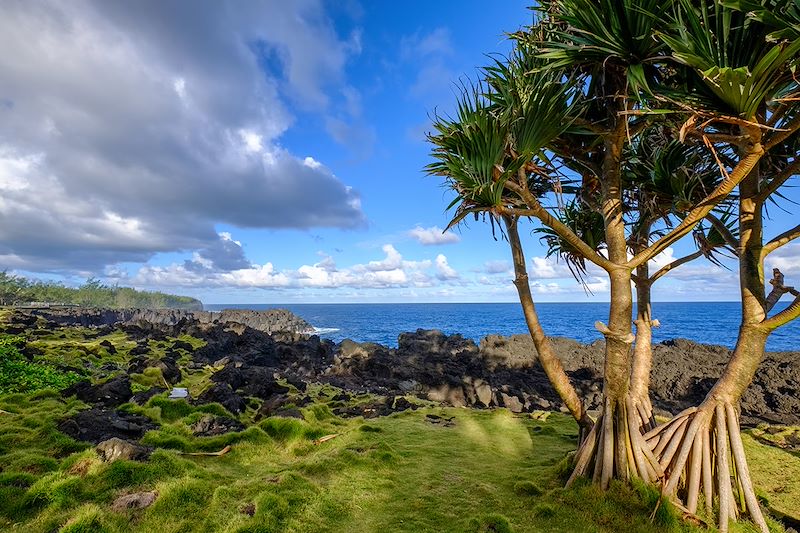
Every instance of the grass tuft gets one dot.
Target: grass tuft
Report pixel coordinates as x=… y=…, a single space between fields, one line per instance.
x=527 y=488
x=87 y=519
x=490 y=523
x=544 y=510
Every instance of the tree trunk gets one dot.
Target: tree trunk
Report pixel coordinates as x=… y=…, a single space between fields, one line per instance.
x=710 y=434
x=550 y=363
x=615 y=448
x=643 y=351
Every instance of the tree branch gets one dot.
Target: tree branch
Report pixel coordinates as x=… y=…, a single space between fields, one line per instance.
x=780 y=135
x=675 y=264
x=536 y=210
x=784 y=317
x=782 y=239
x=746 y=164
x=779 y=180
x=723 y=230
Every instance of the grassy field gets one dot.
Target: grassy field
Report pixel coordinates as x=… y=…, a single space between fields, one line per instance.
x=433 y=469
x=482 y=471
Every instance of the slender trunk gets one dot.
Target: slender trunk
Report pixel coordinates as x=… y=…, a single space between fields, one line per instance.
x=619 y=337
x=616 y=447
x=550 y=363
x=716 y=419
x=618 y=334
x=643 y=350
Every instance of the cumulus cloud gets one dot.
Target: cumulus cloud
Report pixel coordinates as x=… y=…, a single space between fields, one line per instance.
x=206 y=270
x=443 y=270
x=548 y=268
x=433 y=235
x=222 y=255
x=787 y=259
x=132 y=129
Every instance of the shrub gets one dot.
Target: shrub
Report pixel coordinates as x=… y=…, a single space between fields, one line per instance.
x=17 y=374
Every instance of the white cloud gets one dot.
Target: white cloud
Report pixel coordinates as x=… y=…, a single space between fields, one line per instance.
x=433 y=235
x=546 y=288
x=661 y=260
x=597 y=285
x=255 y=276
x=547 y=268
x=498 y=267
x=225 y=266
x=443 y=270
x=164 y=124
x=787 y=259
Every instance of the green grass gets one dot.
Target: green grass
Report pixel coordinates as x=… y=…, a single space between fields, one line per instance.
x=18 y=374
x=491 y=471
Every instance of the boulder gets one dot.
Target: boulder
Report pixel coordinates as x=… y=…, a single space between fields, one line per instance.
x=99 y=424
x=222 y=394
x=138 y=500
x=280 y=404
x=112 y=393
x=512 y=403
x=115 y=448
x=210 y=425
x=169 y=369
x=483 y=392
x=140 y=398
x=435 y=342
x=453 y=395
x=181 y=345
x=110 y=348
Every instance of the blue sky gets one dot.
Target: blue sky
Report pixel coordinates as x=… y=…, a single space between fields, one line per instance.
x=261 y=153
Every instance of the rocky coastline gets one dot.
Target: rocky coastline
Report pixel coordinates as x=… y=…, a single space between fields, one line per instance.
x=268 y=321
x=251 y=350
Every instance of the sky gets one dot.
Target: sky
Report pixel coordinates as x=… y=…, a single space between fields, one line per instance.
x=264 y=152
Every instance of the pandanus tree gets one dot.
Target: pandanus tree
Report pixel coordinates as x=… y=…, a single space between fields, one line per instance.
x=746 y=59
x=663 y=180
x=564 y=115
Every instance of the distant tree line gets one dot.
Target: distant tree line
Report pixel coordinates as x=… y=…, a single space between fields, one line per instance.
x=17 y=290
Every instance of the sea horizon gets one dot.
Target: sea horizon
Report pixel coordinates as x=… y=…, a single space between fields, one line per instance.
x=712 y=322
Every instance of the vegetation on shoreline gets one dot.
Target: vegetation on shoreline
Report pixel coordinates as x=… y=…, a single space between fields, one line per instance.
x=18 y=374
x=17 y=290
x=430 y=469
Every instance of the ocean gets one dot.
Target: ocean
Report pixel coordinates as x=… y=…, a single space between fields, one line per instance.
x=706 y=322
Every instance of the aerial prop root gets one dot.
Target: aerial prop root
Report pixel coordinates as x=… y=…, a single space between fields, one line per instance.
x=615 y=447
x=643 y=410
x=701 y=448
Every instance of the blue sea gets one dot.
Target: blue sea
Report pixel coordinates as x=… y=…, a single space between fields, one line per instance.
x=706 y=322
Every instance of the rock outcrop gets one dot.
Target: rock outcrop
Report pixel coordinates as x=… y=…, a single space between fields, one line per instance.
x=249 y=356
x=268 y=321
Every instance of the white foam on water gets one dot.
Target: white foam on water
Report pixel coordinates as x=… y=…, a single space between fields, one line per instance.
x=322 y=331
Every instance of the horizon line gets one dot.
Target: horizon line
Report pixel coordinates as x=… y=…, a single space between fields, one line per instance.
x=457 y=303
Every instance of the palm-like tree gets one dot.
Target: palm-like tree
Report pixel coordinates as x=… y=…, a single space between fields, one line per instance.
x=744 y=67
x=587 y=86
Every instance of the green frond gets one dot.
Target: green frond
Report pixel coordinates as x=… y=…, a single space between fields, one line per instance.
x=599 y=34
x=731 y=54
x=586 y=224
x=502 y=124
